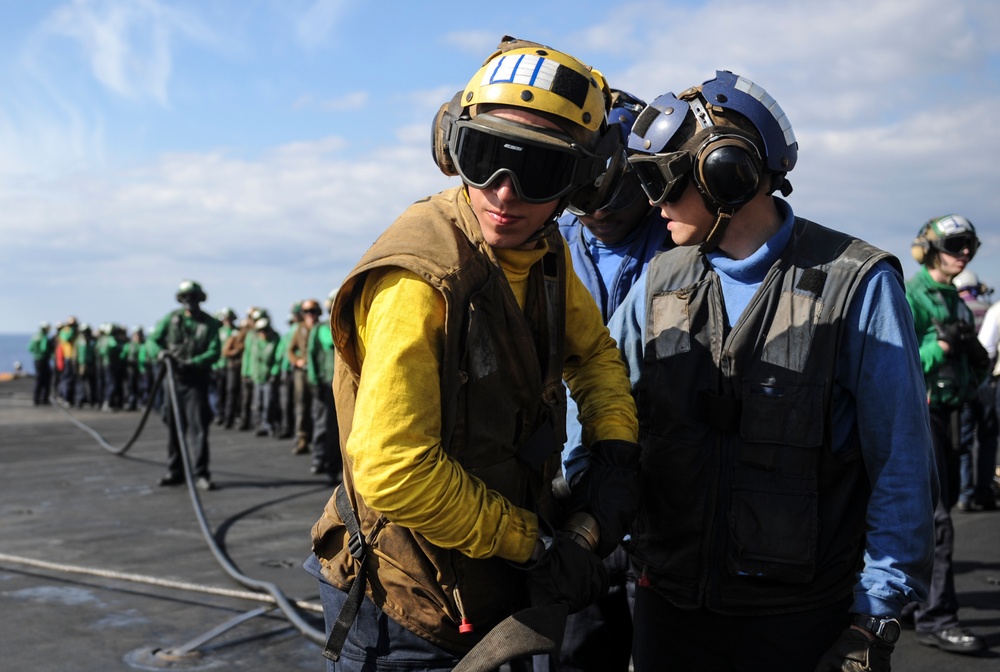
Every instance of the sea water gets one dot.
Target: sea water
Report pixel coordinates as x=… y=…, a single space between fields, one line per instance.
x=14 y=348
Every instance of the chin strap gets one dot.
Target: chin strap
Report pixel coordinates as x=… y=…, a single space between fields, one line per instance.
x=546 y=229
x=718 y=230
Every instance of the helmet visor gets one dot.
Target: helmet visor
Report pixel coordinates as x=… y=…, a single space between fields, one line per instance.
x=542 y=166
x=663 y=176
x=957 y=245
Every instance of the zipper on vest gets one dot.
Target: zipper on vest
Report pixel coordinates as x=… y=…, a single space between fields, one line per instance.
x=465 y=627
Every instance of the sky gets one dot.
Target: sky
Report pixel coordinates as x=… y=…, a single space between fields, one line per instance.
x=260 y=146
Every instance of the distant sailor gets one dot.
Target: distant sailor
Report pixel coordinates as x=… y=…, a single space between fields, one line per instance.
x=41 y=348
x=189 y=337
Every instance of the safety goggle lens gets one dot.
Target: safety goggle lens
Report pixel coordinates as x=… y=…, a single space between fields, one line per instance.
x=955 y=245
x=663 y=176
x=540 y=173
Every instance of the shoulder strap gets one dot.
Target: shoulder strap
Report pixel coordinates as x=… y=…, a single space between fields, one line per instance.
x=349 y=612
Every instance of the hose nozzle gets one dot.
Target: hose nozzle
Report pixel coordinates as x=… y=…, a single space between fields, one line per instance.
x=584 y=528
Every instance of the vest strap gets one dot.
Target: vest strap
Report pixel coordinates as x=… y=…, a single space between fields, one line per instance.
x=348 y=612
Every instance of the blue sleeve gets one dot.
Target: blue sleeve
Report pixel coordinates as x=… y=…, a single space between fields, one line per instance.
x=879 y=404
x=626 y=328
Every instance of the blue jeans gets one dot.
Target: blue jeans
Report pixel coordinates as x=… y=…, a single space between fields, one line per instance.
x=376 y=643
x=977 y=458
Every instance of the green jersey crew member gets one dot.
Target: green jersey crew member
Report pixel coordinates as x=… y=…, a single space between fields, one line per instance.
x=41 y=348
x=454 y=334
x=954 y=363
x=190 y=338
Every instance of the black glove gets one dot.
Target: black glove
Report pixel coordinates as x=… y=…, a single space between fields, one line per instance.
x=958 y=335
x=853 y=652
x=609 y=490
x=962 y=339
x=566 y=573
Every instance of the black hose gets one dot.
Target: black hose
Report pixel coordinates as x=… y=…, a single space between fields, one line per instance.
x=265 y=586
x=166 y=372
x=138 y=430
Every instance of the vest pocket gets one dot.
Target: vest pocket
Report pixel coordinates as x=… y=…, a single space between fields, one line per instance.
x=774 y=516
x=773 y=535
x=670 y=323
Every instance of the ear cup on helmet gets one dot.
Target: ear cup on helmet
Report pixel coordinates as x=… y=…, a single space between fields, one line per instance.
x=727 y=169
x=920 y=249
x=441 y=132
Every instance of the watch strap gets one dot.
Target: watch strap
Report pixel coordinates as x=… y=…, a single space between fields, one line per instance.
x=877 y=626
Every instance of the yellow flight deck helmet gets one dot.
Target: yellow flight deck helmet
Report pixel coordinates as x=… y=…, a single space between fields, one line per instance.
x=533 y=76
x=544 y=164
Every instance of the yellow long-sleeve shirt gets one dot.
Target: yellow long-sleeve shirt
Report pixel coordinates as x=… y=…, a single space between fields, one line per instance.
x=398 y=463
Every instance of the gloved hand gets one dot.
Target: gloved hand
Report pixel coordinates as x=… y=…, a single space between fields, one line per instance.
x=958 y=335
x=164 y=355
x=566 y=573
x=962 y=340
x=609 y=490
x=853 y=652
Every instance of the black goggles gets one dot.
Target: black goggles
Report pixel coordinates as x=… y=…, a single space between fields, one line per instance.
x=663 y=176
x=543 y=166
x=956 y=245
x=624 y=193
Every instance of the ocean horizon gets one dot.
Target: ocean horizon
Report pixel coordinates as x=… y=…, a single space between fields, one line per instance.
x=14 y=348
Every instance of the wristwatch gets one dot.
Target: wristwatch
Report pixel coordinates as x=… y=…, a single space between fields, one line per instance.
x=886 y=629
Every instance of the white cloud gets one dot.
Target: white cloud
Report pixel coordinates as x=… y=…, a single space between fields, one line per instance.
x=314 y=25
x=890 y=101
x=127 y=44
x=263 y=231
x=892 y=104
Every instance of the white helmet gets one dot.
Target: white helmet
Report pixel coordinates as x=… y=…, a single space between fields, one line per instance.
x=966 y=280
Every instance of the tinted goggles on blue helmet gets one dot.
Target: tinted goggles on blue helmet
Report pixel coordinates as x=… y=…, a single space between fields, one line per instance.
x=616 y=189
x=663 y=176
x=543 y=165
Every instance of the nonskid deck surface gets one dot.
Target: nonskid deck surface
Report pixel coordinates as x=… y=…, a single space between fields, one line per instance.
x=68 y=502
x=75 y=506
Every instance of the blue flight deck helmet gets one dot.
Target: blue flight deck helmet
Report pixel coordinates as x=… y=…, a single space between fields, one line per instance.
x=723 y=135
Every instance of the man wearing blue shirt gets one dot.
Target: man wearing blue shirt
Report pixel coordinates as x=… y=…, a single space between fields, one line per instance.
x=611 y=242
x=788 y=482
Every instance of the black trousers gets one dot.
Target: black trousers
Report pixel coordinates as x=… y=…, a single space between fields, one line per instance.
x=940 y=610
x=234 y=385
x=599 y=638
x=43 y=381
x=668 y=638
x=286 y=406
x=195 y=417
x=246 y=402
